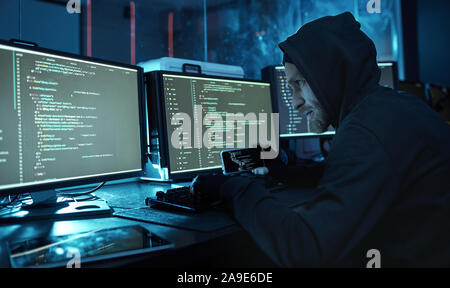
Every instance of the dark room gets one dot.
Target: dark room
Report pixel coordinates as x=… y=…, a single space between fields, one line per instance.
x=213 y=142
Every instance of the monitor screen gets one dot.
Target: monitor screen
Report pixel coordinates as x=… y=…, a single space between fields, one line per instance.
x=200 y=97
x=66 y=118
x=388 y=77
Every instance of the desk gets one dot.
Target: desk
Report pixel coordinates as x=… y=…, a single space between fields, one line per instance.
x=227 y=247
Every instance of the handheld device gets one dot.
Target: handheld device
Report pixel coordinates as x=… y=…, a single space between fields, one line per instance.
x=236 y=161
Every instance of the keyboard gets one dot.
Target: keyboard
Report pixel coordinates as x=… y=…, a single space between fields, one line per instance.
x=181 y=198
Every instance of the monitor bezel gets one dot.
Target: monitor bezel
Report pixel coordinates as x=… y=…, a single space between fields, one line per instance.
x=268 y=74
x=156 y=79
x=85 y=180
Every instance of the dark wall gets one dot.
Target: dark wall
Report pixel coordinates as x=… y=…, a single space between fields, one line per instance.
x=426 y=41
x=410 y=41
x=433 y=31
x=426 y=31
x=46 y=23
x=111 y=30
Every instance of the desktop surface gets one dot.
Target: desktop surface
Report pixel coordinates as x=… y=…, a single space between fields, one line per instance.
x=229 y=246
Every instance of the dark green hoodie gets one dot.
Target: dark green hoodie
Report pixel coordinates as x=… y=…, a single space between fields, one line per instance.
x=386 y=181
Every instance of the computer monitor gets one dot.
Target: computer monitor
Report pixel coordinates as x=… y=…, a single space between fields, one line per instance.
x=389 y=74
x=179 y=99
x=67 y=120
x=292 y=123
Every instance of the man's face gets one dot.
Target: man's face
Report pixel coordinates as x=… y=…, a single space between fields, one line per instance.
x=304 y=100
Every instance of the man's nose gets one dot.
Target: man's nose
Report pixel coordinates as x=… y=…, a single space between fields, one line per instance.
x=297 y=102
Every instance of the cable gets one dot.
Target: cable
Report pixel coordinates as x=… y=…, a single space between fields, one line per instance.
x=17 y=197
x=11 y=201
x=12 y=205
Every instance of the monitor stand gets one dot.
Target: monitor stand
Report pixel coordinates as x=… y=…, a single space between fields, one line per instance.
x=154 y=173
x=47 y=205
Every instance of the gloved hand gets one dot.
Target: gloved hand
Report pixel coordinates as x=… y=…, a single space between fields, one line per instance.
x=207 y=187
x=285 y=170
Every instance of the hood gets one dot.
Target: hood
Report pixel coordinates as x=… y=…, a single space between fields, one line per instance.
x=337 y=59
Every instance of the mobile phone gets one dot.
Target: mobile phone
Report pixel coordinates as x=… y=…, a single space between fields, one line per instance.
x=236 y=161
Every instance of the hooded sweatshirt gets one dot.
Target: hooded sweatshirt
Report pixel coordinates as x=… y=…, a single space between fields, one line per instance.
x=385 y=183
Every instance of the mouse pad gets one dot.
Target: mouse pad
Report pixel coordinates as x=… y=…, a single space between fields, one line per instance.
x=206 y=221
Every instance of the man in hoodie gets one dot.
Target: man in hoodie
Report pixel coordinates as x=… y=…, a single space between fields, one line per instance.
x=385 y=182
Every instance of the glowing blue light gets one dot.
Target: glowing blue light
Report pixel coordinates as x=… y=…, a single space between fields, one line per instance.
x=395 y=46
x=59 y=251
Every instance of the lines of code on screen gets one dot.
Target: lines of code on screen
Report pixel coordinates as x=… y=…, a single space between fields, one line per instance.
x=63 y=118
x=291 y=121
x=213 y=95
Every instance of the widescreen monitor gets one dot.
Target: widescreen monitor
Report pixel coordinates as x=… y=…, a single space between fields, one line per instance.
x=227 y=112
x=67 y=120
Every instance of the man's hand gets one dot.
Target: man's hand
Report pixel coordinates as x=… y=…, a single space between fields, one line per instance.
x=194 y=185
x=208 y=187
x=262 y=171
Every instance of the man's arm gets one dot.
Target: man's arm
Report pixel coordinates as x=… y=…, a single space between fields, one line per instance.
x=357 y=187
x=304 y=175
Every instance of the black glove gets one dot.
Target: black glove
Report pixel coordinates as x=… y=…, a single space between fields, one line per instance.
x=207 y=187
